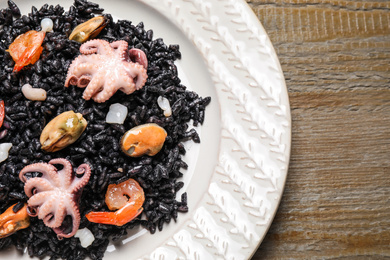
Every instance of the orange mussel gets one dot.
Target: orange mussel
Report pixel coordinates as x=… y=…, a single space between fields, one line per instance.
x=143 y=139
x=126 y=198
x=26 y=48
x=10 y=222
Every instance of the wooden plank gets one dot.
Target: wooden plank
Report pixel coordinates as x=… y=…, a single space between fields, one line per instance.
x=336 y=59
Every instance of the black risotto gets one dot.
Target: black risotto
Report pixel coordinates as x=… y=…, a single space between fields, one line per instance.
x=99 y=144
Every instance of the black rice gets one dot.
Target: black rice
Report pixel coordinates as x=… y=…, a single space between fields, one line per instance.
x=99 y=144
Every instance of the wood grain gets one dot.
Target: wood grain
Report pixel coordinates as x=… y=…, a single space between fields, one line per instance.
x=336 y=60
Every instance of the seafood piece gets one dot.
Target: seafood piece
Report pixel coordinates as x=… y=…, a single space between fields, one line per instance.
x=3 y=133
x=143 y=139
x=4 y=150
x=47 y=25
x=138 y=56
x=126 y=198
x=26 y=49
x=117 y=114
x=89 y=29
x=34 y=94
x=56 y=194
x=86 y=237
x=2 y=112
x=164 y=104
x=10 y=222
x=104 y=68
x=62 y=131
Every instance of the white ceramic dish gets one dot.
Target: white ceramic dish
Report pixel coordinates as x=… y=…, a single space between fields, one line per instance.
x=236 y=175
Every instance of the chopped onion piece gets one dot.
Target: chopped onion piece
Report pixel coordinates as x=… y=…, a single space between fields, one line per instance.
x=164 y=104
x=34 y=94
x=86 y=237
x=117 y=114
x=4 y=149
x=47 y=25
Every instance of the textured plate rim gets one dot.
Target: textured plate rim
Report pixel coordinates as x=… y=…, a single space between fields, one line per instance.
x=220 y=28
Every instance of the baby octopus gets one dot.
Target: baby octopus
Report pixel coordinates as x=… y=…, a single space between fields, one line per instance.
x=56 y=194
x=103 y=68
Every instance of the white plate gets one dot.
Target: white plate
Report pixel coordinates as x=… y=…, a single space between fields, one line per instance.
x=237 y=174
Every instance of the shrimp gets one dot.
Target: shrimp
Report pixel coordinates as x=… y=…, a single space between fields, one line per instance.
x=26 y=48
x=126 y=198
x=2 y=112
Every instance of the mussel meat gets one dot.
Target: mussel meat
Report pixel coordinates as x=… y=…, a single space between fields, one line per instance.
x=10 y=222
x=89 y=29
x=62 y=131
x=143 y=139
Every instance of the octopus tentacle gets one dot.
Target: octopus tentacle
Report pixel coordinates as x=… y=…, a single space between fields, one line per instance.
x=103 y=95
x=141 y=77
x=83 y=81
x=56 y=217
x=120 y=48
x=73 y=211
x=106 y=92
x=66 y=174
x=138 y=56
x=94 y=86
x=37 y=185
x=96 y=46
x=38 y=199
x=137 y=72
x=79 y=64
x=48 y=171
x=46 y=212
x=71 y=79
x=85 y=68
x=128 y=86
x=79 y=183
x=80 y=70
x=32 y=211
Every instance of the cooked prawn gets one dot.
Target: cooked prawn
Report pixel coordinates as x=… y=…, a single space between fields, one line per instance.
x=26 y=49
x=126 y=198
x=2 y=112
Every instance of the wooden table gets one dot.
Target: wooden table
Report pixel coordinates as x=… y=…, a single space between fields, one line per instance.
x=336 y=60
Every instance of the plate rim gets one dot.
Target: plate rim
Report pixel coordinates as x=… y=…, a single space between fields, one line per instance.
x=171 y=10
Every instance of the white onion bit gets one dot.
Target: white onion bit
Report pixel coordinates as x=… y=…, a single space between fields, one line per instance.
x=35 y=94
x=4 y=149
x=164 y=104
x=47 y=25
x=86 y=237
x=117 y=114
